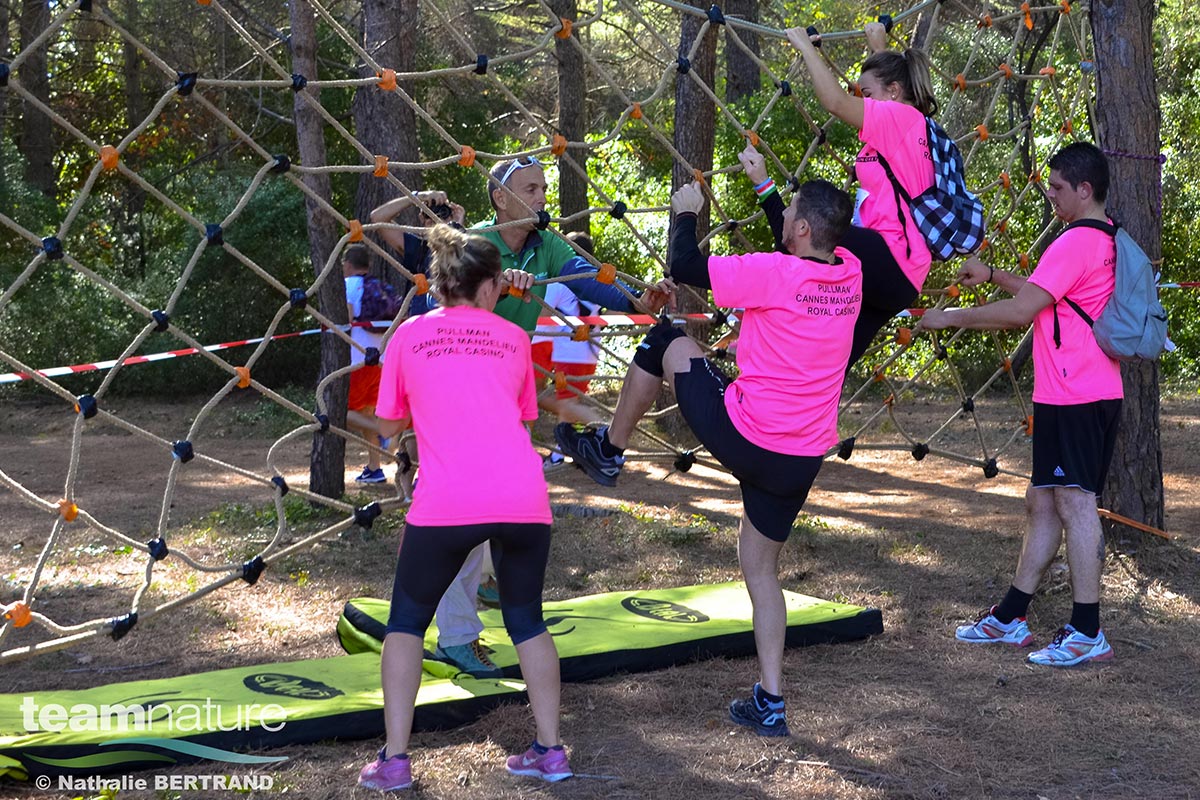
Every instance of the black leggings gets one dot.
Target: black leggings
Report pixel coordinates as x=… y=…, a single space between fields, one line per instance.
x=431 y=555
x=886 y=289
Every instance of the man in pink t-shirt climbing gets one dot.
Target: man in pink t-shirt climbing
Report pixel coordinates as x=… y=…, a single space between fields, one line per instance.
x=773 y=425
x=1076 y=407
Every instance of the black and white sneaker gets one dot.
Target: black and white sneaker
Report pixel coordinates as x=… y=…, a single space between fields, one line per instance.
x=584 y=447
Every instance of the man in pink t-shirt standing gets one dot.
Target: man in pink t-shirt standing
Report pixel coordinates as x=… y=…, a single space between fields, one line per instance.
x=773 y=425
x=1077 y=397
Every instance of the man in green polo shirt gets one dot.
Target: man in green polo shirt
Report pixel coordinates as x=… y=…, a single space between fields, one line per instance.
x=517 y=190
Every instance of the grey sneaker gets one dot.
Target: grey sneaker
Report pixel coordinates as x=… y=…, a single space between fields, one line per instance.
x=584 y=447
x=470 y=658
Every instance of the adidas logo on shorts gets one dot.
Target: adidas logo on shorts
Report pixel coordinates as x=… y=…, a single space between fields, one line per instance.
x=1058 y=472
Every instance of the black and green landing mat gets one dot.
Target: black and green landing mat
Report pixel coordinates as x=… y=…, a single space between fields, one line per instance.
x=637 y=631
x=217 y=716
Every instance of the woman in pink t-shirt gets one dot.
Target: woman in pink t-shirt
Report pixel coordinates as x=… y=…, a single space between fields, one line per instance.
x=897 y=96
x=463 y=376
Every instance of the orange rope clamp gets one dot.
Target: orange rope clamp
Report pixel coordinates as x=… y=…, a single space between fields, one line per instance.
x=606 y=274
x=877 y=376
x=355 y=231
x=421 y=282
x=698 y=175
x=984 y=245
x=560 y=381
x=204 y=2
x=243 y=374
x=381 y=166
x=1003 y=226
x=1005 y=180
x=982 y=131
x=1035 y=177
x=565 y=31
x=753 y=137
x=558 y=144
x=854 y=89
x=387 y=80
x=1029 y=425
x=1023 y=260
x=466 y=156
x=582 y=333
x=68 y=510
x=1008 y=365
x=1050 y=71
x=960 y=82
x=986 y=22
x=952 y=290
x=636 y=111
x=904 y=336
x=109 y=156
x=1028 y=16
x=1067 y=127
x=890 y=401
x=515 y=292
x=1065 y=5
x=1006 y=69
x=19 y=613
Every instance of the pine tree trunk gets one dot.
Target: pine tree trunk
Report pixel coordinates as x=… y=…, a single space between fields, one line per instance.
x=742 y=75
x=37 y=132
x=572 y=120
x=383 y=122
x=1127 y=128
x=327 y=473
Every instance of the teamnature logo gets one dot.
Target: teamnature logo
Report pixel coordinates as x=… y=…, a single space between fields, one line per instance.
x=662 y=610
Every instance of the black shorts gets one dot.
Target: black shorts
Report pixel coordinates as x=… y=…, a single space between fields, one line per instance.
x=774 y=485
x=1073 y=445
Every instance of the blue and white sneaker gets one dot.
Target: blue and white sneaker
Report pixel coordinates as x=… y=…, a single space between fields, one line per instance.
x=584 y=447
x=369 y=475
x=1070 y=647
x=765 y=717
x=988 y=629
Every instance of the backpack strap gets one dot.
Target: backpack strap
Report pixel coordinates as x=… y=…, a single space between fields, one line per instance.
x=1095 y=224
x=902 y=200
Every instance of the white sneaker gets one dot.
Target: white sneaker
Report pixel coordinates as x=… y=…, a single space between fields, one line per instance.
x=1070 y=647
x=989 y=629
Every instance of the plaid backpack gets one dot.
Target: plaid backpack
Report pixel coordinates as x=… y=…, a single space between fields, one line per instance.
x=947 y=214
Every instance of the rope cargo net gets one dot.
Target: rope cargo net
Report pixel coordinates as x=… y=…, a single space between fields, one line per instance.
x=1018 y=90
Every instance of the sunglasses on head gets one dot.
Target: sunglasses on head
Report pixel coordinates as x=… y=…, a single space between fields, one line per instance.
x=520 y=163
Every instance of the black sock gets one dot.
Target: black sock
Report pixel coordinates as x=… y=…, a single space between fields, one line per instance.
x=1085 y=618
x=1015 y=604
x=539 y=748
x=609 y=449
x=765 y=696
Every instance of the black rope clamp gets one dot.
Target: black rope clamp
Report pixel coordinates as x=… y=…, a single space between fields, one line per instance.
x=403 y=462
x=365 y=516
x=543 y=220
x=182 y=450
x=161 y=320
x=683 y=65
x=920 y=450
x=323 y=421
x=887 y=21
x=52 y=247
x=732 y=225
x=122 y=625
x=715 y=16
x=846 y=448
x=186 y=82
x=481 y=64
x=990 y=470
x=618 y=210
x=157 y=549
x=969 y=405
x=822 y=137
x=298 y=82
x=281 y=483
x=298 y=298
x=685 y=460
x=3 y=74
x=940 y=354
x=252 y=569
x=85 y=5
x=282 y=163
x=371 y=357
x=785 y=88
x=214 y=233
x=793 y=183
x=811 y=30
x=87 y=405
x=720 y=318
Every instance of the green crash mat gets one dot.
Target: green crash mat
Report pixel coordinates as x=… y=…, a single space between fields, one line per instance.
x=603 y=634
x=157 y=723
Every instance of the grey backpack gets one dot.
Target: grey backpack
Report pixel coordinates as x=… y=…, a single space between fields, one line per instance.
x=1133 y=324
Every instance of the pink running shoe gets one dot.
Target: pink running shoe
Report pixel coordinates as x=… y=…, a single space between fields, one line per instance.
x=989 y=629
x=386 y=774
x=549 y=766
